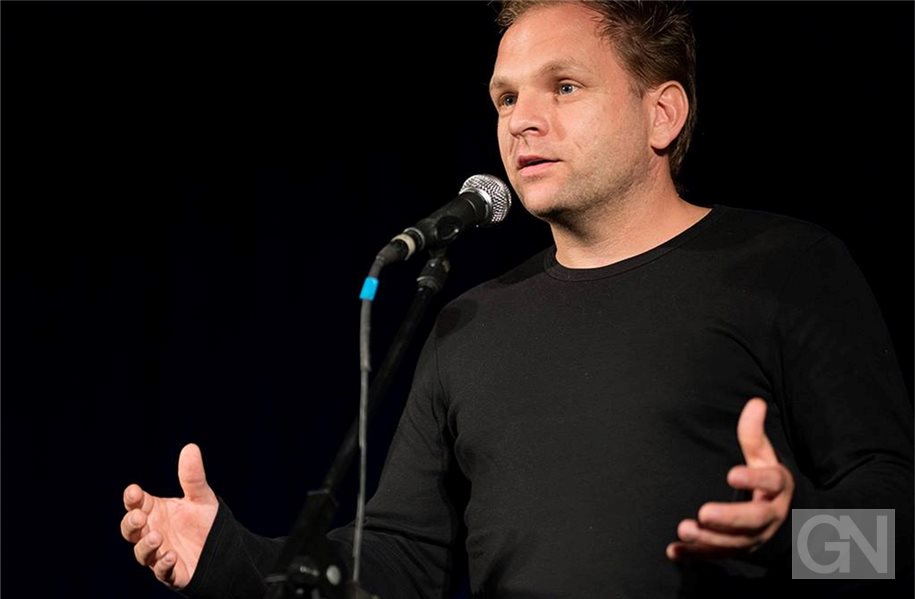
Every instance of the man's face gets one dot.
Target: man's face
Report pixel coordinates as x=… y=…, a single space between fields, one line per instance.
x=572 y=132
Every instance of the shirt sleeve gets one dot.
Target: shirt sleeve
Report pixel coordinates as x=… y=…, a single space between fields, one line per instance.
x=847 y=414
x=413 y=529
x=413 y=538
x=234 y=561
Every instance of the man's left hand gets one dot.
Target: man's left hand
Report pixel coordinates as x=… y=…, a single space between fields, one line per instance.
x=729 y=529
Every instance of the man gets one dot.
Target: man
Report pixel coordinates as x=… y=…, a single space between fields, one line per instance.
x=614 y=439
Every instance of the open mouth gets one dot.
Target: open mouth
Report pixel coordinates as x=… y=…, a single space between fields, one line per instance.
x=526 y=161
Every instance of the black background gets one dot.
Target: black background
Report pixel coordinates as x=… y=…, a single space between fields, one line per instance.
x=193 y=192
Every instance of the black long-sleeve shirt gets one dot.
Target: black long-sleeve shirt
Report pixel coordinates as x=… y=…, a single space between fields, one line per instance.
x=562 y=422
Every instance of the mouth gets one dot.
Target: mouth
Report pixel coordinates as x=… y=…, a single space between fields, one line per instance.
x=531 y=164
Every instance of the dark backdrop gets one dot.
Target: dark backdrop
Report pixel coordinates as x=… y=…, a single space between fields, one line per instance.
x=192 y=193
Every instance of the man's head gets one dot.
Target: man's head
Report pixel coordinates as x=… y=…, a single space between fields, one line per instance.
x=602 y=90
x=653 y=40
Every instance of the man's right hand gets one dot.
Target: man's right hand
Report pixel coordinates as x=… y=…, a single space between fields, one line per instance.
x=168 y=533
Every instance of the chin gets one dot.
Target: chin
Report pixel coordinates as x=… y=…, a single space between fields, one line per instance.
x=553 y=214
x=538 y=199
x=538 y=209
x=554 y=209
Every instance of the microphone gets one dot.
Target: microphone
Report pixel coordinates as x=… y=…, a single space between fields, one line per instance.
x=483 y=200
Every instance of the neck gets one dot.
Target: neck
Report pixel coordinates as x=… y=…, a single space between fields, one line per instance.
x=624 y=227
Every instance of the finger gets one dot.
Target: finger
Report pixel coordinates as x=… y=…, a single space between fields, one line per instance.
x=164 y=567
x=751 y=434
x=133 y=497
x=769 y=480
x=132 y=525
x=689 y=531
x=192 y=476
x=146 y=548
x=681 y=551
x=748 y=518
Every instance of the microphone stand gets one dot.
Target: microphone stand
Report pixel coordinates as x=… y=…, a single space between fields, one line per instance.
x=308 y=566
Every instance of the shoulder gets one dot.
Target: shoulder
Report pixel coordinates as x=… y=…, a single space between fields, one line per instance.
x=797 y=260
x=765 y=240
x=769 y=230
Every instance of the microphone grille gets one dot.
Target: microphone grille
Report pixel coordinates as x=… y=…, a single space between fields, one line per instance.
x=494 y=191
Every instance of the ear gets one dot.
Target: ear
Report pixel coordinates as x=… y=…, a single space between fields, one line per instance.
x=669 y=109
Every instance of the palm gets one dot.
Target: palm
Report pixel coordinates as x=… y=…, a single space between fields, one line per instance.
x=184 y=525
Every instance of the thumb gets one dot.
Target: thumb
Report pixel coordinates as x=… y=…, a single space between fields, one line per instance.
x=751 y=434
x=191 y=475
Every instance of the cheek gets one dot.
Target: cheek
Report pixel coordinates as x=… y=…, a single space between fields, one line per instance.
x=584 y=125
x=606 y=135
x=504 y=139
x=587 y=133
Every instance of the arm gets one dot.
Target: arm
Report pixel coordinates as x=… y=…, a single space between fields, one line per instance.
x=844 y=411
x=413 y=523
x=233 y=562
x=193 y=544
x=412 y=546
x=847 y=414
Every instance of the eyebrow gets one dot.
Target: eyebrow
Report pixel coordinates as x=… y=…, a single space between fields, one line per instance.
x=552 y=67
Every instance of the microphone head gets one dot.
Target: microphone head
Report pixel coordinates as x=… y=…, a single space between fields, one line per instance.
x=496 y=194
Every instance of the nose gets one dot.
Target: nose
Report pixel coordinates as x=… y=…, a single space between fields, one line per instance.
x=529 y=116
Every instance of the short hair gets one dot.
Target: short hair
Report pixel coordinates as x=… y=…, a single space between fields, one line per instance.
x=655 y=43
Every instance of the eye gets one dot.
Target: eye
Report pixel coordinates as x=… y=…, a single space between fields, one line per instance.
x=566 y=88
x=506 y=101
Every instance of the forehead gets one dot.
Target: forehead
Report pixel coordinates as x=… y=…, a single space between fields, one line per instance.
x=567 y=34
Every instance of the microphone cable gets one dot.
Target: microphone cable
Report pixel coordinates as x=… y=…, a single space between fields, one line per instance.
x=367 y=295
